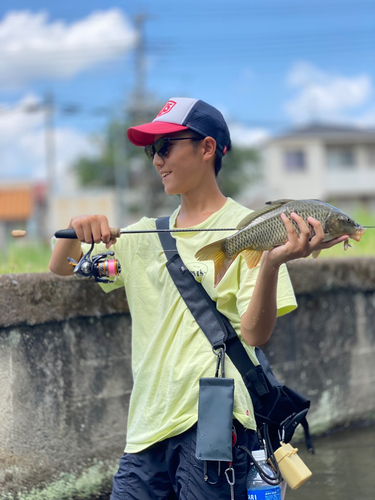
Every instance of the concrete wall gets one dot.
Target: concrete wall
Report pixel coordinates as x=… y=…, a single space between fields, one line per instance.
x=65 y=381
x=326 y=348
x=65 y=375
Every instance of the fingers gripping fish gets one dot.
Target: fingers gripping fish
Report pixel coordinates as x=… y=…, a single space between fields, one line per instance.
x=264 y=229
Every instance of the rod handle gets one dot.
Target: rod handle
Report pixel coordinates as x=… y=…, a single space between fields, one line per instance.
x=70 y=234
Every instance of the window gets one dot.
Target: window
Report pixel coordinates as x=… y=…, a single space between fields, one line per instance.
x=371 y=156
x=295 y=160
x=340 y=157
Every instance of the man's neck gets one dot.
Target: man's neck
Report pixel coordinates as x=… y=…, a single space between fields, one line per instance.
x=196 y=211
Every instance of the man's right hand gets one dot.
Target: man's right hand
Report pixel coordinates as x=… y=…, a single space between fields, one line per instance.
x=89 y=228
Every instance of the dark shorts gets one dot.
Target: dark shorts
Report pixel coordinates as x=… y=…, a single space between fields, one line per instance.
x=169 y=470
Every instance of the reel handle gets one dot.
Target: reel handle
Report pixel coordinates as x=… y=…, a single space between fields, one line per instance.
x=70 y=234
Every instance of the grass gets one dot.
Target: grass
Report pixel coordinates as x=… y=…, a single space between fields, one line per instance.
x=33 y=257
x=363 y=248
x=25 y=257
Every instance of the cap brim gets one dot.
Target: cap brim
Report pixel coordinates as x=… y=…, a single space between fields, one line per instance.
x=145 y=134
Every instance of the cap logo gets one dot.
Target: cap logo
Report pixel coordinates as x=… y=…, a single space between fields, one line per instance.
x=167 y=108
x=225 y=149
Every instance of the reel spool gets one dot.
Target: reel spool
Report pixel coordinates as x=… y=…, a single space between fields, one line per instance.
x=98 y=266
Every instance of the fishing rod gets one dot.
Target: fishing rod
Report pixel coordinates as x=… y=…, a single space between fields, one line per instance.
x=102 y=267
x=116 y=231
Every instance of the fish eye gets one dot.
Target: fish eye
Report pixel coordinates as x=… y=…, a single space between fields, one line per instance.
x=348 y=219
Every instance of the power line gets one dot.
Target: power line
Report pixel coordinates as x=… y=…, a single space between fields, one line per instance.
x=272 y=6
x=233 y=52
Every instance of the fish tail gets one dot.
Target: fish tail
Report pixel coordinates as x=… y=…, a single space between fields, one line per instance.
x=214 y=251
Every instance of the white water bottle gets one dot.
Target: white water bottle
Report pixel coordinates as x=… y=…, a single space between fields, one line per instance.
x=257 y=488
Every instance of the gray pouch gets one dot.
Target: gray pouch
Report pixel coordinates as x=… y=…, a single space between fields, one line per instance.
x=215 y=419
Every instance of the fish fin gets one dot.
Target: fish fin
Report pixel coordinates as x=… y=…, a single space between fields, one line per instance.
x=214 y=251
x=257 y=213
x=278 y=202
x=252 y=257
x=315 y=254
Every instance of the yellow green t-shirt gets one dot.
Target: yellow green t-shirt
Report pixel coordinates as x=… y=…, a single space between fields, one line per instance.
x=170 y=353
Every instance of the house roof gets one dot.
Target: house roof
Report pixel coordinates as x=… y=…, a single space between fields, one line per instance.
x=330 y=132
x=16 y=203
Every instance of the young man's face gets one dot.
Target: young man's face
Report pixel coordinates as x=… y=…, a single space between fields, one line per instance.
x=183 y=169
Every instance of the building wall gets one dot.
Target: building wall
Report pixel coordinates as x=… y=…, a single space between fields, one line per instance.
x=319 y=180
x=65 y=206
x=304 y=184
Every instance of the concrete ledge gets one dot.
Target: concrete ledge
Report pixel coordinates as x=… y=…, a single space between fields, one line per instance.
x=322 y=275
x=34 y=299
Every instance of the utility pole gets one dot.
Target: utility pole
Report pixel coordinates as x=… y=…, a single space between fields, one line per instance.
x=137 y=111
x=49 y=123
x=138 y=108
x=121 y=175
x=50 y=148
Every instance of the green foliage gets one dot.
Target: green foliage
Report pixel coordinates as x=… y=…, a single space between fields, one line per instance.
x=363 y=248
x=25 y=257
x=240 y=168
x=100 y=171
x=91 y=482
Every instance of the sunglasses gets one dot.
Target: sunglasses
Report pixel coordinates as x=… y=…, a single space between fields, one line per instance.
x=160 y=147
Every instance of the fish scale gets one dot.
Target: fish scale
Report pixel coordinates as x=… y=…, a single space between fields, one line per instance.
x=272 y=234
x=264 y=229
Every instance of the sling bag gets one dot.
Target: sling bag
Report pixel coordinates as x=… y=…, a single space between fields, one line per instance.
x=278 y=409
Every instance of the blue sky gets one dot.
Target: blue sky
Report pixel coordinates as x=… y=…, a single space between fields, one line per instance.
x=267 y=64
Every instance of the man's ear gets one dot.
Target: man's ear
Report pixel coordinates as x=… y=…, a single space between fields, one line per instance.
x=209 y=148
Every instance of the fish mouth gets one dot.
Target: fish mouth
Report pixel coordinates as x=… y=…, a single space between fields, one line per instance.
x=357 y=235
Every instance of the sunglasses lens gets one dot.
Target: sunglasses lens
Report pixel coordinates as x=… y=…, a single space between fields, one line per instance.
x=160 y=147
x=149 y=150
x=162 y=151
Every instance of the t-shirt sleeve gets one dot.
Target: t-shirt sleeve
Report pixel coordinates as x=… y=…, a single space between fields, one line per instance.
x=286 y=300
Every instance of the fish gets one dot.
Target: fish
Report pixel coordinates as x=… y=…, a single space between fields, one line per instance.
x=264 y=229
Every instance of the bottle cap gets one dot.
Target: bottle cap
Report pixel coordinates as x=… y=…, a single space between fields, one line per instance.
x=259 y=455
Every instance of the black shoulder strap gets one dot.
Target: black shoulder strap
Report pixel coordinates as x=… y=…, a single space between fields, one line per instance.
x=215 y=325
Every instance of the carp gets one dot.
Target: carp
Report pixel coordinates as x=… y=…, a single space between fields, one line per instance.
x=264 y=229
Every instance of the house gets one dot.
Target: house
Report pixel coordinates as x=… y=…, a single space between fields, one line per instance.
x=326 y=162
x=16 y=208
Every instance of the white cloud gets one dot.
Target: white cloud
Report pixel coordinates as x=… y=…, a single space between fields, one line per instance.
x=33 y=47
x=321 y=95
x=22 y=144
x=243 y=136
x=240 y=134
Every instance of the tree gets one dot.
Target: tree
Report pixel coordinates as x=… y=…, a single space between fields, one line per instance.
x=241 y=167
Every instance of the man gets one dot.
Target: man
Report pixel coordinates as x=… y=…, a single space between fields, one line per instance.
x=187 y=142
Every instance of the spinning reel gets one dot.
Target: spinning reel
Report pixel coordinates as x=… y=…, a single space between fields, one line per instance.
x=98 y=266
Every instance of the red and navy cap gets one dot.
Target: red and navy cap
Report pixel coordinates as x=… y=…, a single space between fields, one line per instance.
x=182 y=113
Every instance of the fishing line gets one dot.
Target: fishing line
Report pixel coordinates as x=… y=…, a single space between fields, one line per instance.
x=178 y=230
